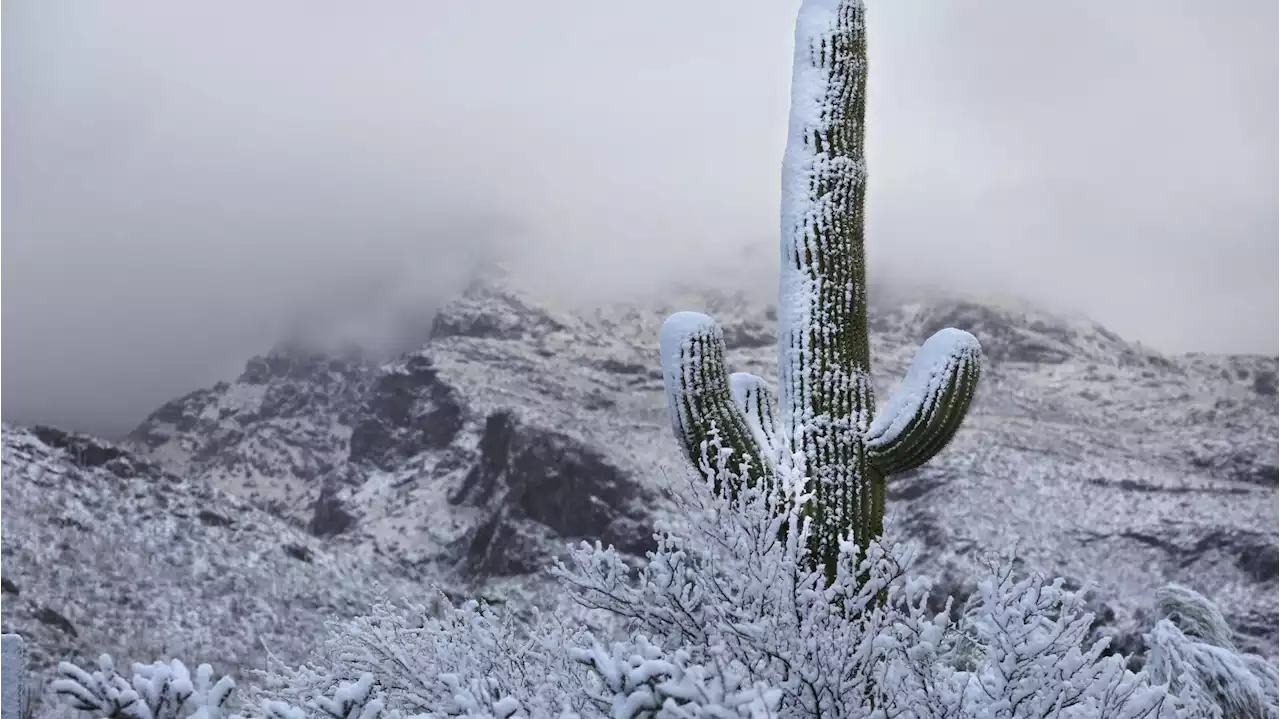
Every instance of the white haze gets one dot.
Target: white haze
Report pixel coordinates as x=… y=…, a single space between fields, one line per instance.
x=187 y=183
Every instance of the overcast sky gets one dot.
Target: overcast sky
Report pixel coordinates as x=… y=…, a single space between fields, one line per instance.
x=184 y=182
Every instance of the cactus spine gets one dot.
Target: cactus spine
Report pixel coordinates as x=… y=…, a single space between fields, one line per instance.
x=825 y=424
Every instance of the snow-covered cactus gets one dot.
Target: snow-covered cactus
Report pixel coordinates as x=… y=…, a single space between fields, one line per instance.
x=13 y=677
x=825 y=425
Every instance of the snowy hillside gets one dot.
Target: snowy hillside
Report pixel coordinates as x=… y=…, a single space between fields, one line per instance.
x=519 y=427
x=104 y=551
x=513 y=430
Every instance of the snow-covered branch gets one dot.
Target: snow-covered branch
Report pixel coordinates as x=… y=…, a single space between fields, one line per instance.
x=724 y=620
x=163 y=690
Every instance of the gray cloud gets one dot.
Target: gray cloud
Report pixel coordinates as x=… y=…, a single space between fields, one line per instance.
x=186 y=184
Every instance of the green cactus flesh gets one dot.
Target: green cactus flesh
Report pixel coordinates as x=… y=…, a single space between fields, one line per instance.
x=924 y=413
x=692 y=346
x=825 y=419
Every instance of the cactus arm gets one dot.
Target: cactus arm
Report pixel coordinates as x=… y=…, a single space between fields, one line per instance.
x=923 y=414
x=699 y=401
x=757 y=403
x=825 y=391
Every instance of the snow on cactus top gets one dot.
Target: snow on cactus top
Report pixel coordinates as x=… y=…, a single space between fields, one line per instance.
x=924 y=384
x=681 y=356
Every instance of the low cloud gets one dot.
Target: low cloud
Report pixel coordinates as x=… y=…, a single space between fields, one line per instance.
x=186 y=185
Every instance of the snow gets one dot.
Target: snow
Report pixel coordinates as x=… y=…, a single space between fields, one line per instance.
x=679 y=344
x=161 y=563
x=1103 y=438
x=676 y=348
x=753 y=396
x=1138 y=455
x=818 y=195
x=1192 y=648
x=943 y=356
x=720 y=623
x=13 y=667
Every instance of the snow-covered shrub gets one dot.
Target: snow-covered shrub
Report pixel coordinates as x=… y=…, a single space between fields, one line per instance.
x=163 y=690
x=740 y=603
x=461 y=660
x=725 y=620
x=1191 y=648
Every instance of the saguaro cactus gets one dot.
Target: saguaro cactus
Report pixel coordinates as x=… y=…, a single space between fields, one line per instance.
x=825 y=423
x=13 y=679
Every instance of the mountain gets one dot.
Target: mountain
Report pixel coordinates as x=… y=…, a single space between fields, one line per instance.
x=512 y=430
x=519 y=427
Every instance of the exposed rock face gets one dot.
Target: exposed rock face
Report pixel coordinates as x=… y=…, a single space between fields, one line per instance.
x=285 y=422
x=528 y=475
x=1265 y=383
x=82 y=449
x=329 y=515
x=408 y=411
x=412 y=456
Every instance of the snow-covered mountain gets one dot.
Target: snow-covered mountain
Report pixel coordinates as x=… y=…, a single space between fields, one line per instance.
x=1168 y=463
x=518 y=428
x=512 y=430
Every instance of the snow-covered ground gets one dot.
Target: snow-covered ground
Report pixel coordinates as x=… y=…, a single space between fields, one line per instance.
x=520 y=427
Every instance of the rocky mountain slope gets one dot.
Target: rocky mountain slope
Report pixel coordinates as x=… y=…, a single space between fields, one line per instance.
x=509 y=433
x=518 y=428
